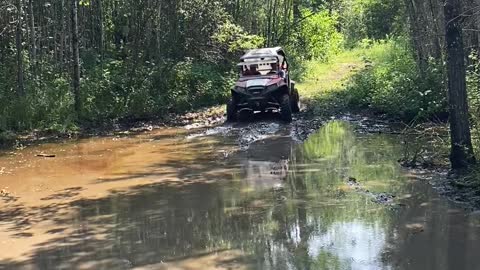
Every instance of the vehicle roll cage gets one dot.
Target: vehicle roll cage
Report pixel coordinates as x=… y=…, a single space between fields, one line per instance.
x=263 y=58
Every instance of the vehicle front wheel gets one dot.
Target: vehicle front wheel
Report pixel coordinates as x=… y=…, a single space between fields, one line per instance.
x=286 y=108
x=245 y=116
x=231 y=111
x=295 y=100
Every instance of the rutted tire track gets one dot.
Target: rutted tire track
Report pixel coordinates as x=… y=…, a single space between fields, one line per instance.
x=247 y=133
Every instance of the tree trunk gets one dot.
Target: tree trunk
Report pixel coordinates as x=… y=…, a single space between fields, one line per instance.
x=268 y=34
x=462 y=155
x=33 y=46
x=415 y=32
x=63 y=34
x=101 y=33
x=437 y=42
x=76 y=58
x=296 y=11
x=19 y=48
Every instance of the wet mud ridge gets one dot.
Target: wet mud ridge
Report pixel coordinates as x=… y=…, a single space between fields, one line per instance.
x=245 y=134
x=7 y=197
x=260 y=128
x=464 y=191
x=380 y=198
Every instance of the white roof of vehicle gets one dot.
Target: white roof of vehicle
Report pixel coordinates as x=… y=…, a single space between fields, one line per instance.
x=262 y=53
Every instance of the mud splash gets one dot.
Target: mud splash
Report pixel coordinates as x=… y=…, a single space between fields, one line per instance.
x=179 y=199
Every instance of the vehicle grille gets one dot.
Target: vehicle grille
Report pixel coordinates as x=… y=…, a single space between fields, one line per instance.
x=255 y=90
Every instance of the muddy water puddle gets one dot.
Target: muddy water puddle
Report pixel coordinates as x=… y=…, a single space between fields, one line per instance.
x=231 y=197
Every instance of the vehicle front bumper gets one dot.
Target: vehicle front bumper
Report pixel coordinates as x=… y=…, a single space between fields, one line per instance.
x=257 y=103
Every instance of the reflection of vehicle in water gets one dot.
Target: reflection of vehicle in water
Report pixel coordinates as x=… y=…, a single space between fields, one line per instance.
x=267 y=163
x=266 y=174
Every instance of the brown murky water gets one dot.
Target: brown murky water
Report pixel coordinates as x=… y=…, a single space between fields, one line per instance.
x=171 y=199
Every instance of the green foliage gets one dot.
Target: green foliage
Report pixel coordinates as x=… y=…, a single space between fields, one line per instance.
x=119 y=90
x=114 y=90
x=128 y=84
x=317 y=39
x=392 y=83
x=319 y=36
x=322 y=77
x=193 y=85
x=382 y=77
x=382 y=17
x=474 y=96
x=474 y=84
x=234 y=39
x=50 y=106
x=372 y=19
x=46 y=105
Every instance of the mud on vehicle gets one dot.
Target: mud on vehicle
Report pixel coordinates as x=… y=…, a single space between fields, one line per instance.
x=264 y=85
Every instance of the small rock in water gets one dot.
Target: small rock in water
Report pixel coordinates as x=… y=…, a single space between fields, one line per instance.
x=353 y=182
x=127 y=263
x=384 y=198
x=416 y=228
x=46 y=155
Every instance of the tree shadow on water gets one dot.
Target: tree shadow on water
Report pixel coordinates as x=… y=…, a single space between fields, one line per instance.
x=141 y=226
x=206 y=160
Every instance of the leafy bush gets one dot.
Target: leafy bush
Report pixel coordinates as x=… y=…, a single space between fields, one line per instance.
x=474 y=84
x=233 y=39
x=193 y=85
x=320 y=36
x=372 y=19
x=392 y=83
x=47 y=104
x=317 y=38
x=119 y=91
x=123 y=87
x=474 y=96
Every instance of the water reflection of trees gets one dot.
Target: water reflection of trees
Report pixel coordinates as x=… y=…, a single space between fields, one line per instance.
x=318 y=202
x=336 y=153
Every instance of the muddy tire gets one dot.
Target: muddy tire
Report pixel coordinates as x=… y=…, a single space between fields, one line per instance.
x=245 y=116
x=286 y=108
x=295 y=102
x=231 y=111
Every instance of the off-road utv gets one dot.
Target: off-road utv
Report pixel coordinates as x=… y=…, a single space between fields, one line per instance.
x=264 y=85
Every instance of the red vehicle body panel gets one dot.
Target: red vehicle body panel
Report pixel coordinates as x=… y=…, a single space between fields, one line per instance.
x=242 y=82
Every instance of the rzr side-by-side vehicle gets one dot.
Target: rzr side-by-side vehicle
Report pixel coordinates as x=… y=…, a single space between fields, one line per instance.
x=264 y=85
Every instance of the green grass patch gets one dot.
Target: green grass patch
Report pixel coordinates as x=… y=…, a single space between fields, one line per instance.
x=382 y=77
x=321 y=77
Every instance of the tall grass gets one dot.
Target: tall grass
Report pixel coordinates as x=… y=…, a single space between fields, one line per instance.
x=380 y=76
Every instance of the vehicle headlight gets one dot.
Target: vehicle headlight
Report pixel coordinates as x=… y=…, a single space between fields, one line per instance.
x=240 y=89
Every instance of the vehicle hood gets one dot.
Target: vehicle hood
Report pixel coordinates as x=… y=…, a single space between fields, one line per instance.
x=258 y=81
